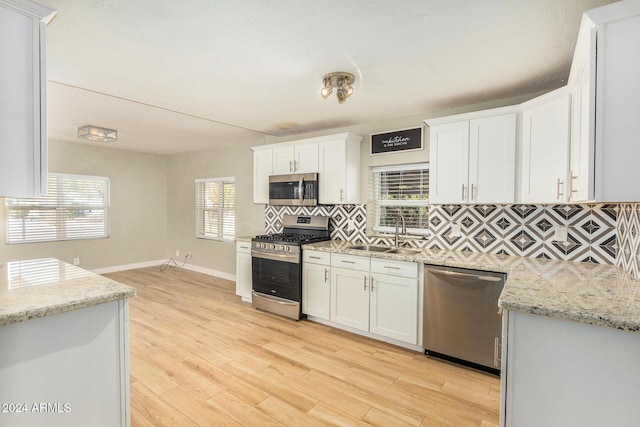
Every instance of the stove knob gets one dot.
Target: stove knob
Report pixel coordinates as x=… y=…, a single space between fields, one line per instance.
x=263 y=245
x=273 y=247
x=288 y=248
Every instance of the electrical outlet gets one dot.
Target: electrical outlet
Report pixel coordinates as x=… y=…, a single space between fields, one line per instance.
x=177 y=252
x=560 y=233
x=350 y=224
x=76 y=261
x=456 y=231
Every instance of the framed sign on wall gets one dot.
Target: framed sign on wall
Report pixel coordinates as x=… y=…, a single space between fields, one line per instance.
x=399 y=140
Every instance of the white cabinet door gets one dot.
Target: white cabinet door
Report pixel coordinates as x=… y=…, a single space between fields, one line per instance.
x=305 y=157
x=262 y=168
x=283 y=160
x=350 y=298
x=545 y=151
x=316 y=290
x=23 y=133
x=449 y=158
x=492 y=159
x=394 y=307
x=243 y=270
x=581 y=178
x=333 y=172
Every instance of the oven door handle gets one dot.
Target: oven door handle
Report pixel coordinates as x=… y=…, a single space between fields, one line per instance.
x=301 y=188
x=292 y=258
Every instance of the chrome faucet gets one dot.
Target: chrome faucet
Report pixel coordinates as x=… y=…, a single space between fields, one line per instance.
x=396 y=239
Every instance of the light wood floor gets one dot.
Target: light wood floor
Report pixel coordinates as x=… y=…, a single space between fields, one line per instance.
x=200 y=356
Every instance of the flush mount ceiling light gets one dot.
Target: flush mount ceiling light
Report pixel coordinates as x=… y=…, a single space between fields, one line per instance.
x=96 y=133
x=341 y=81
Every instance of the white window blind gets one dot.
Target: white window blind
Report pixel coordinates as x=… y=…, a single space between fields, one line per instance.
x=216 y=208
x=76 y=207
x=399 y=189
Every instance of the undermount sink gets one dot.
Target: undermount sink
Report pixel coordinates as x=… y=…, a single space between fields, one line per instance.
x=402 y=251
x=370 y=248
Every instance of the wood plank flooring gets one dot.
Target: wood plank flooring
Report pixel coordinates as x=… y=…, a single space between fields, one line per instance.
x=200 y=356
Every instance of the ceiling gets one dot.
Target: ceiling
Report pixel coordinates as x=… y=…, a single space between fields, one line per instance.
x=177 y=76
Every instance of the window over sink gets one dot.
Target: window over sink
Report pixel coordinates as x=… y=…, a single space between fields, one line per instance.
x=399 y=189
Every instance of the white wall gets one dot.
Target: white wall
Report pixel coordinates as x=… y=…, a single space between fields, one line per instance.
x=183 y=170
x=138 y=208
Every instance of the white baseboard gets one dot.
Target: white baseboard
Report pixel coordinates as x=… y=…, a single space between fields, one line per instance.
x=124 y=267
x=158 y=263
x=211 y=272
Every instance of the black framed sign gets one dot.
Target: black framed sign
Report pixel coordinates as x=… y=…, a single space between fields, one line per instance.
x=399 y=140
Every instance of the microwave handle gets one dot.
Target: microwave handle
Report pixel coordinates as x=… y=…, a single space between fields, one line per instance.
x=301 y=189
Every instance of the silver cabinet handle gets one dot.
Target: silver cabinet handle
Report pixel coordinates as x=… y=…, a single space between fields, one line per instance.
x=497 y=347
x=463 y=192
x=558 y=184
x=314 y=257
x=295 y=165
x=341 y=195
x=347 y=262
x=571 y=190
x=372 y=288
x=290 y=166
x=465 y=275
x=365 y=283
x=326 y=275
x=473 y=197
x=391 y=268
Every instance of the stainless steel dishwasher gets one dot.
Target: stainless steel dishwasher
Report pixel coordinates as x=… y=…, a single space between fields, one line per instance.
x=461 y=320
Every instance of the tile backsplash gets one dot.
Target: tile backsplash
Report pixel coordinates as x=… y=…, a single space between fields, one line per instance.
x=598 y=233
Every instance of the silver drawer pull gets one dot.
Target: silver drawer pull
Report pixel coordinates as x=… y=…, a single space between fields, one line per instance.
x=314 y=257
x=391 y=268
x=348 y=262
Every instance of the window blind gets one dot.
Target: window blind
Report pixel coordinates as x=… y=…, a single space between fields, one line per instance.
x=76 y=207
x=215 y=208
x=399 y=189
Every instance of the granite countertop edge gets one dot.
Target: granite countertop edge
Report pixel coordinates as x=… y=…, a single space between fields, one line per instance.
x=594 y=294
x=63 y=307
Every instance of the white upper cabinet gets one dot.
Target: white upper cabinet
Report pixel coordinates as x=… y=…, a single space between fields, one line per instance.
x=604 y=78
x=339 y=169
x=473 y=157
x=545 y=148
x=301 y=157
x=262 y=169
x=23 y=84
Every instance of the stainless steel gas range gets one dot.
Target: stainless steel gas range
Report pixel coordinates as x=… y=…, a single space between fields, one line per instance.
x=276 y=263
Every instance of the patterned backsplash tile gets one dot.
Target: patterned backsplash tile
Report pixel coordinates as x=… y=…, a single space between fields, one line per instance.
x=598 y=233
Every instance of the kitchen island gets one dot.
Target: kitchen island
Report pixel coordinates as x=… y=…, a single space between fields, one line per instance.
x=570 y=336
x=64 y=351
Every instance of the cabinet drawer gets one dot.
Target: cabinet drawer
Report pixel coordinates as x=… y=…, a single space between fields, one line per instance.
x=394 y=268
x=350 y=262
x=244 y=247
x=316 y=257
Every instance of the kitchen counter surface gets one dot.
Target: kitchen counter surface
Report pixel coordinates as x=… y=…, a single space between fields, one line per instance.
x=595 y=294
x=42 y=287
x=244 y=239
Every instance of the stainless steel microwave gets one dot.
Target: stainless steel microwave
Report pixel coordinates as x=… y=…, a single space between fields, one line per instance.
x=299 y=189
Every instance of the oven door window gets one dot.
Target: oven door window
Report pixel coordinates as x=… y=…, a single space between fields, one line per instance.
x=277 y=278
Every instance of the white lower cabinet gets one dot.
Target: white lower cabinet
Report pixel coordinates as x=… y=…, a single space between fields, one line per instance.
x=243 y=270
x=375 y=295
x=316 y=284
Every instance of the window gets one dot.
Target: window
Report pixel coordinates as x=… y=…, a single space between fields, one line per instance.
x=76 y=207
x=216 y=208
x=402 y=189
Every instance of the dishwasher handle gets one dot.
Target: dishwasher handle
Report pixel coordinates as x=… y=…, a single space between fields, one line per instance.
x=482 y=277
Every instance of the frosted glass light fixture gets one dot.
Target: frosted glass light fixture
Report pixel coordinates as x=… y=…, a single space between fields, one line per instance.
x=96 y=133
x=341 y=81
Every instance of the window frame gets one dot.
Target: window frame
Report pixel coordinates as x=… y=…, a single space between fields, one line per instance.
x=201 y=209
x=375 y=202
x=61 y=208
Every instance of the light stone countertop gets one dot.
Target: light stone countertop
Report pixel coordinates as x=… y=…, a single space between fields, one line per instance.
x=244 y=239
x=595 y=294
x=42 y=287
